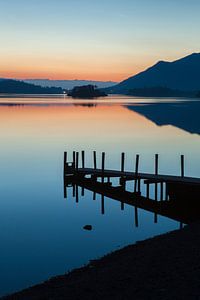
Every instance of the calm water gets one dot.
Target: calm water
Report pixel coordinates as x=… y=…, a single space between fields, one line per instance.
x=41 y=233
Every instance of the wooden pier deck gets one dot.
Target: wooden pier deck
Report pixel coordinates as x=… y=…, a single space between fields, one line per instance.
x=176 y=197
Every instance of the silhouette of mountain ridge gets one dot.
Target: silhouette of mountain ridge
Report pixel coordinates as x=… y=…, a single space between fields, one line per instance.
x=182 y=74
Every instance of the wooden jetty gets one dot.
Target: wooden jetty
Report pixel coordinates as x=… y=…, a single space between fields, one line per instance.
x=176 y=197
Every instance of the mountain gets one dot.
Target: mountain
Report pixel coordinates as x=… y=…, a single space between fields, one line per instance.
x=8 y=86
x=182 y=75
x=69 y=84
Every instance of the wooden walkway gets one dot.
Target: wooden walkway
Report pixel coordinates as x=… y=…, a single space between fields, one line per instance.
x=175 y=197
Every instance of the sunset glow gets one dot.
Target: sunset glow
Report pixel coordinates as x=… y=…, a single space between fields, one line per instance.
x=105 y=40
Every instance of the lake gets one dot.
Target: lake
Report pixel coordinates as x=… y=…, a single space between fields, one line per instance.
x=41 y=232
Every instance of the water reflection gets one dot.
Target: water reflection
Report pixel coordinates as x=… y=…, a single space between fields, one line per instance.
x=177 y=201
x=40 y=233
x=183 y=115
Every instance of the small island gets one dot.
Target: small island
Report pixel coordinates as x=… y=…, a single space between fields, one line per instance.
x=86 y=91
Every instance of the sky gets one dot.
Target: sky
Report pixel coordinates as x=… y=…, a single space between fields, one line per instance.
x=94 y=39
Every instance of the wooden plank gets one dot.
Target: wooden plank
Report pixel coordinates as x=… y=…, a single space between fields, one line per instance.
x=133 y=175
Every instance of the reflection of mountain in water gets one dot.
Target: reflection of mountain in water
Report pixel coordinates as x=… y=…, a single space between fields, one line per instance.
x=185 y=115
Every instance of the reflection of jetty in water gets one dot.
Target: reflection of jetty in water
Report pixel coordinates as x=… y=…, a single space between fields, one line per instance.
x=175 y=197
x=184 y=115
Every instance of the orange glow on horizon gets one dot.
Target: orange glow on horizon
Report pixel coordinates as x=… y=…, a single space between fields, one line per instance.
x=96 y=72
x=57 y=76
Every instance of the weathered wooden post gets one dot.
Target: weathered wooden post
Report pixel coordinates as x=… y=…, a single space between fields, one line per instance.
x=166 y=191
x=122 y=161
x=95 y=159
x=156 y=164
x=136 y=172
x=122 y=181
x=74 y=159
x=103 y=166
x=182 y=166
x=65 y=189
x=156 y=173
x=77 y=156
x=147 y=191
x=83 y=159
x=161 y=191
x=64 y=165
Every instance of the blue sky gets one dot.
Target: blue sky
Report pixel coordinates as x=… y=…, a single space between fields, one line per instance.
x=94 y=39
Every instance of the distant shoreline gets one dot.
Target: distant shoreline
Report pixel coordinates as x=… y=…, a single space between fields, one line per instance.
x=163 y=267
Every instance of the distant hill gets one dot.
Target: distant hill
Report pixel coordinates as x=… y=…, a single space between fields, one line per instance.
x=69 y=84
x=182 y=75
x=9 y=86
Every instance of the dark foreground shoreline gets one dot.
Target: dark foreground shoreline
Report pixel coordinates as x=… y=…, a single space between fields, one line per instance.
x=163 y=267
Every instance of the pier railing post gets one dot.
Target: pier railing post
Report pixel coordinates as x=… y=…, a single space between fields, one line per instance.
x=95 y=159
x=182 y=166
x=83 y=159
x=122 y=161
x=64 y=163
x=156 y=164
x=77 y=157
x=74 y=159
x=136 y=172
x=156 y=173
x=103 y=165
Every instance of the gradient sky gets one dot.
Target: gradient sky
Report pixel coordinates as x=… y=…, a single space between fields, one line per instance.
x=93 y=39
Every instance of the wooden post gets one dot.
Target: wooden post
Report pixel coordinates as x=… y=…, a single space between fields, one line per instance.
x=83 y=159
x=136 y=171
x=103 y=165
x=122 y=161
x=147 y=190
x=77 y=154
x=65 y=191
x=156 y=173
x=65 y=161
x=156 y=191
x=161 y=191
x=182 y=166
x=95 y=159
x=137 y=164
x=166 y=192
x=156 y=164
x=74 y=159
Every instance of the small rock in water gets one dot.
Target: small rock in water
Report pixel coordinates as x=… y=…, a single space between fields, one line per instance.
x=87 y=227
